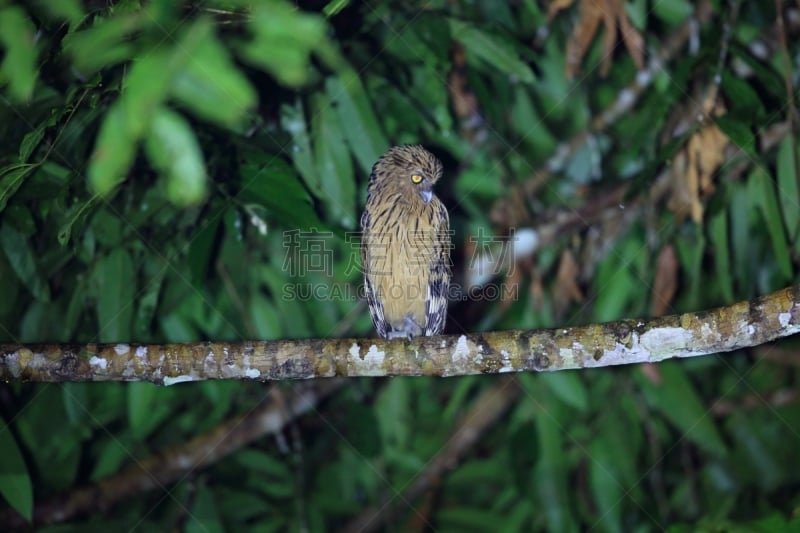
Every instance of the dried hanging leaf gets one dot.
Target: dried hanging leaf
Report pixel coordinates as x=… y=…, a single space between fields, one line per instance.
x=665 y=284
x=611 y=13
x=465 y=104
x=567 y=289
x=694 y=166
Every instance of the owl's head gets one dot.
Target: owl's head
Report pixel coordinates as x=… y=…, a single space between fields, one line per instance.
x=411 y=168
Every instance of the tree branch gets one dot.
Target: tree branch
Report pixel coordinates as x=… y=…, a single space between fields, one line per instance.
x=740 y=325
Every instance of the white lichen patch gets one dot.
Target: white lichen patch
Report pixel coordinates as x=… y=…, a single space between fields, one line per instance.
x=252 y=373
x=462 y=350
x=177 y=379
x=506 y=360
x=141 y=351
x=443 y=345
x=709 y=335
x=371 y=364
x=784 y=319
x=99 y=362
x=666 y=341
x=122 y=349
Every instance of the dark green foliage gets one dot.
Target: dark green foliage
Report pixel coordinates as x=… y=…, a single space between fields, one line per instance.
x=184 y=171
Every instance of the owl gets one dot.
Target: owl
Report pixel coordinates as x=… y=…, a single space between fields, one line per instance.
x=405 y=246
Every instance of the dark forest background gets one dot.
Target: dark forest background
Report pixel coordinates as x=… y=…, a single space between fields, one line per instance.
x=184 y=171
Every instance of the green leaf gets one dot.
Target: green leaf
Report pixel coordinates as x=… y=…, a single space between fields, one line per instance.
x=173 y=149
x=146 y=88
x=103 y=44
x=334 y=166
x=115 y=285
x=357 y=119
x=141 y=404
x=210 y=83
x=568 y=387
x=265 y=317
x=789 y=195
x=677 y=399
x=18 y=37
x=293 y=121
x=31 y=140
x=605 y=486
x=15 y=482
x=11 y=178
x=204 y=517
x=495 y=51
x=271 y=182
x=741 y=95
x=113 y=153
x=283 y=38
x=74 y=213
x=22 y=261
x=147 y=304
x=718 y=232
x=70 y=10
x=739 y=133
x=762 y=188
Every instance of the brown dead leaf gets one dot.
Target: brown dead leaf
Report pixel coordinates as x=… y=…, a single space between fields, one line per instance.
x=665 y=284
x=464 y=101
x=591 y=13
x=566 y=289
x=694 y=166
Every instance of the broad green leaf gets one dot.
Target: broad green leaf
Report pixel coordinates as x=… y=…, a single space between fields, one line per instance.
x=11 y=178
x=75 y=213
x=104 y=43
x=113 y=152
x=31 y=141
x=172 y=148
x=334 y=166
x=18 y=38
x=115 y=285
x=294 y=121
x=788 y=193
x=357 y=118
x=607 y=490
x=677 y=399
x=209 y=82
x=264 y=464
x=762 y=187
x=718 y=232
x=673 y=12
x=265 y=317
x=147 y=304
x=549 y=483
x=739 y=133
x=70 y=10
x=741 y=95
x=266 y=179
x=204 y=517
x=283 y=38
x=145 y=90
x=142 y=399
x=568 y=387
x=21 y=258
x=15 y=482
x=495 y=51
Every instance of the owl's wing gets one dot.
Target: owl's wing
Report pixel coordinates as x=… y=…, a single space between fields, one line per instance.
x=439 y=281
x=375 y=306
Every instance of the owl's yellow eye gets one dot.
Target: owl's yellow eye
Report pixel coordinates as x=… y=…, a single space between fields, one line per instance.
x=416 y=178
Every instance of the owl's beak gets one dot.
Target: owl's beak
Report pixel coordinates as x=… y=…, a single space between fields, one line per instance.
x=426 y=195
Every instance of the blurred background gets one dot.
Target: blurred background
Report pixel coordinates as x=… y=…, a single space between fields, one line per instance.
x=188 y=171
